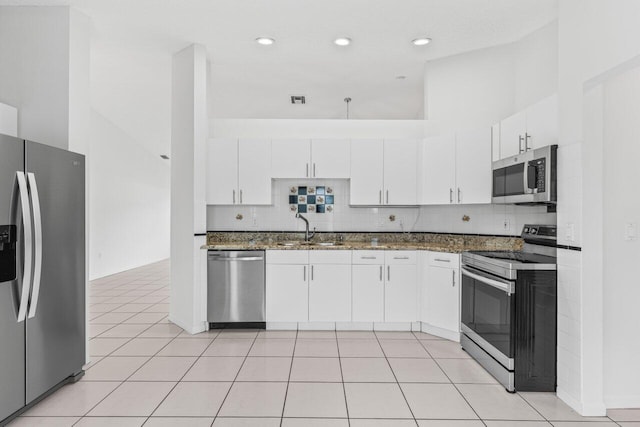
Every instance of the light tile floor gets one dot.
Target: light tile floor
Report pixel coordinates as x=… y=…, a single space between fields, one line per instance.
x=146 y=371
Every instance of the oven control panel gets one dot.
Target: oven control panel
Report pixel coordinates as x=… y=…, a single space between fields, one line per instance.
x=548 y=232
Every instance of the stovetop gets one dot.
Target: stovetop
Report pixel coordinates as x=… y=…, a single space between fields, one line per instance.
x=516 y=256
x=538 y=254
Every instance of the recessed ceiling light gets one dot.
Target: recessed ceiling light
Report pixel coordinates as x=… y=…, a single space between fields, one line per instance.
x=265 y=41
x=421 y=41
x=342 y=41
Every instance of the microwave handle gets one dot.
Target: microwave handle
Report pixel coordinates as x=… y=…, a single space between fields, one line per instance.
x=531 y=179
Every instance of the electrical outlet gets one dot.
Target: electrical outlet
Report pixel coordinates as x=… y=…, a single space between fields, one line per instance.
x=570 y=232
x=506 y=225
x=631 y=231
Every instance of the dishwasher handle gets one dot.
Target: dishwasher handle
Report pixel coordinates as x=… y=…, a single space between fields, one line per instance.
x=226 y=259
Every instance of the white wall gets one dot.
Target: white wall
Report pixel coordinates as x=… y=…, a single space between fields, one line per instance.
x=129 y=201
x=480 y=88
x=621 y=293
x=8 y=120
x=536 y=66
x=470 y=90
x=34 y=76
x=594 y=36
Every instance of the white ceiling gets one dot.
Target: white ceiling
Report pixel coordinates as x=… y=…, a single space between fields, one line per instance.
x=133 y=42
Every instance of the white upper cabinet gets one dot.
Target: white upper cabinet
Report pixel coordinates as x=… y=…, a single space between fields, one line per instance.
x=534 y=127
x=330 y=158
x=367 y=158
x=400 y=171
x=291 y=158
x=222 y=171
x=238 y=171
x=456 y=169
x=473 y=167
x=512 y=133
x=254 y=172
x=305 y=158
x=438 y=178
x=384 y=172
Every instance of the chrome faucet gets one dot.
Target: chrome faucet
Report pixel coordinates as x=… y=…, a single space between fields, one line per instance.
x=307 y=236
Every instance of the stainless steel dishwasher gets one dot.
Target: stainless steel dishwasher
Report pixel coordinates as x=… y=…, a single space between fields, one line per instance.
x=236 y=288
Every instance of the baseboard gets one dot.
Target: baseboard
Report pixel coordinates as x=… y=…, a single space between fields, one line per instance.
x=439 y=332
x=586 y=409
x=392 y=326
x=282 y=326
x=354 y=326
x=317 y=326
x=622 y=402
x=190 y=328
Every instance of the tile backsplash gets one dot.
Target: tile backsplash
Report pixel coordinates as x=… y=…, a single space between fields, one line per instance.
x=483 y=219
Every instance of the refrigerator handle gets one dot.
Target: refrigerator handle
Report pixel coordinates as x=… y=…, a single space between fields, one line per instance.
x=28 y=249
x=37 y=232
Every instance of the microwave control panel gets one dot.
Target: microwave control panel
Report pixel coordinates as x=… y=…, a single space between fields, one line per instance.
x=536 y=172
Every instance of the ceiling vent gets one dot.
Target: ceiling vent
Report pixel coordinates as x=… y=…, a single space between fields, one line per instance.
x=298 y=99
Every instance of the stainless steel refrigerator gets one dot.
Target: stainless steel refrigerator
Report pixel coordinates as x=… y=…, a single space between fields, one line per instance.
x=42 y=271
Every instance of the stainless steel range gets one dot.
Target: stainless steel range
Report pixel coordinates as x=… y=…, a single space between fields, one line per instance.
x=509 y=311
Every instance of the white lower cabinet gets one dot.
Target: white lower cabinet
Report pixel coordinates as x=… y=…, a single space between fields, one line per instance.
x=287 y=286
x=367 y=284
x=441 y=292
x=330 y=293
x=400 y=291
x=329 y=286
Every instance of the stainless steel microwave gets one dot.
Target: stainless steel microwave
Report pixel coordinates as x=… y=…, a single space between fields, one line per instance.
x=528 y=178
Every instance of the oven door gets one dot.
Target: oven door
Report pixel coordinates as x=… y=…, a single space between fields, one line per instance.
x=488 y=313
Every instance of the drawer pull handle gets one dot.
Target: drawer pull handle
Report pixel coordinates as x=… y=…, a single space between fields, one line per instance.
x=367 y=257
x=442 y=260
x=400 y=257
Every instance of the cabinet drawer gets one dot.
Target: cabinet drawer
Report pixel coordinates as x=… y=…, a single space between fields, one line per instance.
x=287 y=257
x=400 y=257
x=330 y=256
x=367 y=257
x=444 y=259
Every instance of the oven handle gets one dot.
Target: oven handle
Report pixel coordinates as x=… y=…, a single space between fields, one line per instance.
x=506 y=285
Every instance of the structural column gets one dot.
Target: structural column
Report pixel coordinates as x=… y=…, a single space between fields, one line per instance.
x=189 y=131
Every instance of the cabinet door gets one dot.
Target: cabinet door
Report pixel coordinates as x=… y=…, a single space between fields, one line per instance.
x=367 y=157
x=438 y=179
x=473 y=167
x=443 y=298
x=287 y=293
x=512 y=132
x=222 y=171
x=330 y=293
x=400 y=295
x=542 y=123
x=290 y=158
x=368 y=293
x=400 y=172
x=330 y=158
x=254 y=172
